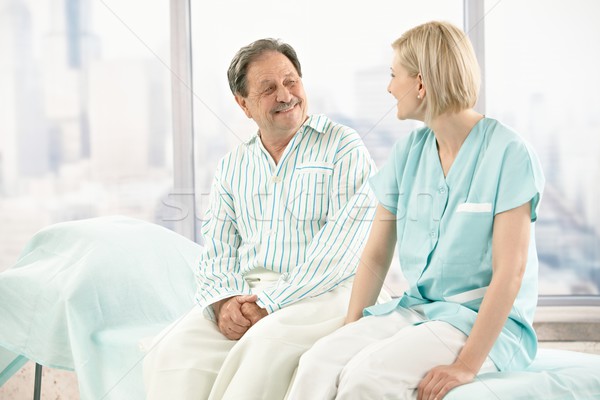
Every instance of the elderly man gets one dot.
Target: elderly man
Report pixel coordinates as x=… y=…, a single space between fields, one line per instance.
x=289 y=214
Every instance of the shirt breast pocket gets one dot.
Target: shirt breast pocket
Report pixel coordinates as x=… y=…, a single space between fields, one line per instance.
x=471 y=233
x=308 y=199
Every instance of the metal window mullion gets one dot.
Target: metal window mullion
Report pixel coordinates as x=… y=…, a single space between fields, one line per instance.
x=183 y=124
x=568 y=301
x=474 y=25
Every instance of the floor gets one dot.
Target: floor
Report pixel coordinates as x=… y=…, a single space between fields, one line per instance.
x=56 y=385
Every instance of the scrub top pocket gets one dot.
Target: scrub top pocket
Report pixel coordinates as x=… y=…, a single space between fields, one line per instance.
x=473 y=231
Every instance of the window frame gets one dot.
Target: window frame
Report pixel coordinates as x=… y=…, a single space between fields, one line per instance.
x=183 y=120
x=183 y=125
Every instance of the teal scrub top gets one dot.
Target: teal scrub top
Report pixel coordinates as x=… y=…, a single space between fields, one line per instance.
x=444 y=227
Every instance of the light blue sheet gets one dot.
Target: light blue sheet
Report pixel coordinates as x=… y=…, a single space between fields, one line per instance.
x=553 y=375
x=84 y=293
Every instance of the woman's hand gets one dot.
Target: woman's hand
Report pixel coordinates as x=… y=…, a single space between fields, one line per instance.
x=441 y=379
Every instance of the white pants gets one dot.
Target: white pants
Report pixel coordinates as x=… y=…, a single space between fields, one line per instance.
x=193 y=360
x=377 y=357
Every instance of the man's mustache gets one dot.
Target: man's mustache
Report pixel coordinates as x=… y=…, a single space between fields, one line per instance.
x=286 y=106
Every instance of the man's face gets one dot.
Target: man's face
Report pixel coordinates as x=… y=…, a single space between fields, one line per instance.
x=276 y=100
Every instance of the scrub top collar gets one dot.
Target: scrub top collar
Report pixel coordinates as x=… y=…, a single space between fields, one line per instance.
x=469 y=142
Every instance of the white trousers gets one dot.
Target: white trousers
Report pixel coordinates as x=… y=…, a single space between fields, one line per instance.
x=377 y=357
x=191 y=359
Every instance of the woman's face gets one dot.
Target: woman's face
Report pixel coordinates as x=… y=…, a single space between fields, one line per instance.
x=405 y=89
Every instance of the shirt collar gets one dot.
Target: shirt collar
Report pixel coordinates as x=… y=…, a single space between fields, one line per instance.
x=317 y=122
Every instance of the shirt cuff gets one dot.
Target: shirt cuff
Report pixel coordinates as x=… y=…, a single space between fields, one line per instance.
x=266 y=302
x=206 y=304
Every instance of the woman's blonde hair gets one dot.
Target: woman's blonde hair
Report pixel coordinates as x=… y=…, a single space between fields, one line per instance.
x=445 y=58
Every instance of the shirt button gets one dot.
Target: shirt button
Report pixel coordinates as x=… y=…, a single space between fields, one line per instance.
x=276 y=179
x=432 y=234
x=442 y=190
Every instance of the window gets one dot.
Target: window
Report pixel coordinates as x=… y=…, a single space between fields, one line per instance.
x=542 y=79
x=85 y=111
x=345 y=52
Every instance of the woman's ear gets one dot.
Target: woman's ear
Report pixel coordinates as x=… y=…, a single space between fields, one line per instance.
x=421 y=92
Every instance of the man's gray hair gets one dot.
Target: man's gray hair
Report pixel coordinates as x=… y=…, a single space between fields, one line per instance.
x=236 y=74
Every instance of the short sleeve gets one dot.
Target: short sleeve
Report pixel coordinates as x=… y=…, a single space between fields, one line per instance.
x=521 y=179
x=385 y=183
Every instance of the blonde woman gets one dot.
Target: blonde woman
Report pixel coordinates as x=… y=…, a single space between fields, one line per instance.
x=459 y=198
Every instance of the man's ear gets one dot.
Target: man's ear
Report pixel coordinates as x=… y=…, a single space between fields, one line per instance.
x=242 y=103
